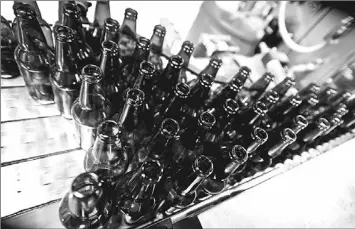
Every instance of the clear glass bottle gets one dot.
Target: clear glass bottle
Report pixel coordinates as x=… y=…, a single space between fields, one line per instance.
x=91 y=108
x=107 y=157
x=32 y=56
x=156 y=48
x=88 y=204
x=185 y=52
x=65 y=78
x=128 y=36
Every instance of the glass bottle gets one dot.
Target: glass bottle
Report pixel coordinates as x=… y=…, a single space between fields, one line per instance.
x=185 y=52
x=128 y=36
x=307 y=104
x=180 y=191
x=9 y=67
x=190 y=144
x=135 y=195
x=107 y=157
x=284 y=86
x=88 y=204
x=296 y=124
x=312 y=88
x=175 y=105
x=231 y=90
x=71 y=18
x=112 y=82
x=65 y=78
x=91 y=108
x=224 y=166
x=341 y=97
x=165 y=83
x=212 y=68
x=159 y=146
x=32 y=56
x=270 y=99
x=132 y=120
x=130 y=69
x=281 y=111
x=258 y=89
x=110 y=31
x=325 y=96
x=156 y=48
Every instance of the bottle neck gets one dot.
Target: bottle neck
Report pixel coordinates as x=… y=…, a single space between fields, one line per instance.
x=129 y=27
x=156 y=42
x=157 y=145
x=102 y=11
x=171 y=75
x=73 y=21
x=314 y=130
x=185 y=56
x=213 y=67
x=260 y=86
x=30 y=34
x=88 y=96
x=254 y=140
x=64 y=54
x=283 y=87
x=109 y=63
x=287 y=137
x=286 y=106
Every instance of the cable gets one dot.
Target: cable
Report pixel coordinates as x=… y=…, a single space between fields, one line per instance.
x=286 y=37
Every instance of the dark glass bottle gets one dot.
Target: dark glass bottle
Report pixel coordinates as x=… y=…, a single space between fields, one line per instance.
x=88 y=204
x=325 y=97
x=32 y=56
x=212 y=69
x=185 y=52
x=165 y=83
x=190 y=144
x=224 y=166
x=128 y=36
x=107 y=157
x=110 y=31
x=112 y=82
x=9 y=67
x=135 y=195
x=312 y=88
x=281 y=111
x=181 y=190
x=306 y=106
x=341 y=97
x=91 y=108
x=284 y=86
x=130 y=71
x=156 y=48
x=132 y=120
x=157 y=147
x=258 y=89
x=335 y=121
x=65 y=75
x=175 y=105
x=71 y=18
x=296 y=124
x=270 y=99
x=231 y=90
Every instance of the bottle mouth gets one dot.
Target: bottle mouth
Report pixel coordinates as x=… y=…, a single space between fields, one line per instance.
x=25 y=11
x=288 y=135
x=63 y=33
x=135 y=97
x=289 y=82
x=71 y=9
x=85 y=185
x=260 y=135
x=268 y=77
x=203 y=166
x=188 y=47
x=159 y=31
x=244 y=70
x=314 y=88
x=323 y=124
x=236 y=84
x=231 y=106
x=147 y=69
x=313 y=99
x=295 y=100
x=112 y=24
x=330 y=92
x=272 y=97
x=260 y=108
x=342 y=109
x=206 y=80
x=131 y=14
x=207 y=120
x=216 y=62
x=143 y=44
x=92 y=73
x=335 y=120
x=170 y=127
x=152 y=171
x=239 y=154
x=176 y=62
x=182 y=90
x=109 y=46
x=301 y=121
x=108 y=130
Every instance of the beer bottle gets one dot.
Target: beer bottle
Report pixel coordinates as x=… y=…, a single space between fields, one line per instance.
x=258 y=89
x=185 y=52
x=311 y=88
x=110 y=31
x=127 y=34
x=156 y=48
x=212 y=69
x=284 y=86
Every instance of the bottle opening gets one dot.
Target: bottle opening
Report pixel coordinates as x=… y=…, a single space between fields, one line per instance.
x=231 y=106
x=109 y=46
x=108 y=130
x=206 y=80
x=143 y=44
x=289 y=82
x=236 y=84
x=111 y=24
x=244 y=70
x=288 y=135
x=216 y=62
x=63 y=33
x=313 y=99
x=314 y=88
x=131 y=14
x=203 y=166
x=170 y=127
x=182 y=90
x=71 y=9
x=207 y=120
x=260 y=135
x=152 y=171
x=92 y=73
x=335 y=120
x=295 y=100
x=188 y=47
x=268 y=77
x=272 y=97
x=239 y=154
x=176 y=61
x=24 y=10
x=301 y=121
x=342 y=109
x=159 y=31
x=323 y=124
x=330 y=92
x=146 y=68
x=135 y=97
x=260 y=108
x=85 y=185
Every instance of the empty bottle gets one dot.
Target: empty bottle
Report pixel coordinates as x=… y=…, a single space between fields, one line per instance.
x=212 y=69
x=156 y=48
x=128 y=36
x=258 y=89
x=311 y=88
x=185 y=52
x=32 y=56
x=91 y=108
x=284 y=86
x=88 y=204
x=110 y=31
